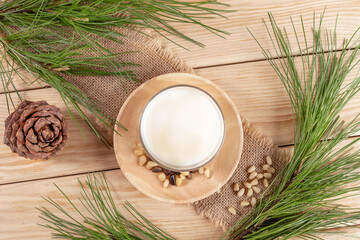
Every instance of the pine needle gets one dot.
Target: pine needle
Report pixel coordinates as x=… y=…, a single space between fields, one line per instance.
x=324 y=167
x=53 y=39
x=101 y=219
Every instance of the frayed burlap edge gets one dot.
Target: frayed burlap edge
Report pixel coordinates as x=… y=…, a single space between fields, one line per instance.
x=153 y=44
x=203 y=208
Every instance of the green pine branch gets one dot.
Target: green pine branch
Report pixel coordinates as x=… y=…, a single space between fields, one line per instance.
x=101 y=219
x=50 y=39
x=324 y=166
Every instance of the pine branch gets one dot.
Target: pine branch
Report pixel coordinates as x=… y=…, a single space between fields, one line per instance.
x=101 y=219
x=53 y=38
x=323 y=164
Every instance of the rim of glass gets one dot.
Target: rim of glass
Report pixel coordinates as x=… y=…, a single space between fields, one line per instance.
x=195 y=166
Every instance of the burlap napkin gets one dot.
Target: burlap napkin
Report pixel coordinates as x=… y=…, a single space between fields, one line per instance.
x=155 y=60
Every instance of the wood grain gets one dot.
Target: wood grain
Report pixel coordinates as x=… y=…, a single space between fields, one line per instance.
x=19 y=218
x=222 y=166
x=240 y=46
x=254 y=88
x=79 y=154
x=260 y=96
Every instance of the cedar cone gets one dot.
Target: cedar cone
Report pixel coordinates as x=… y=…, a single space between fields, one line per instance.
x=35 y=130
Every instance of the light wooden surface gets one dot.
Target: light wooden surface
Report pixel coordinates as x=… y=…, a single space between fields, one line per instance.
x=235 y=64
x=221 y=168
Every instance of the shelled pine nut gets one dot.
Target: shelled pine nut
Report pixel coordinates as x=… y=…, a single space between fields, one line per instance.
x=250 y=192
x=182 y=177
x=185 y=173
x=271 y=170
x=201 y=170
x=236 y=187
x=166 y=183
x=241 y=192
x=178 y=181
x=252 y=175
x=256 y=189
x=251 y=169
x=232 y=210
x=267 y=175
x=268 y=160
x=142 y=160
x=151 y=164
x=247 y=185
x=207 y=173
x=265 y=167
x=253 y=201
x=266 y=183
x=138 y=152
x=162 y=177
x=244 y=203
x=254 y=182
x=259 y=176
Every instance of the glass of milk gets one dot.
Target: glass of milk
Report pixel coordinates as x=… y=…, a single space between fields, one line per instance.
x=182 y=128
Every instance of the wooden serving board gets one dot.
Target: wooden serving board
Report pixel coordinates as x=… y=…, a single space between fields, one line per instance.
x=221 y=167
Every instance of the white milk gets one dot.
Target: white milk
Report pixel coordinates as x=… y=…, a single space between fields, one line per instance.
x=182 y=127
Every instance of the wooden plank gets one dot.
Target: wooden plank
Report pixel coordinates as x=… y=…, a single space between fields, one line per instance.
x=79 y=155
x=339 y=233
x=19 y=218
x=240 y=46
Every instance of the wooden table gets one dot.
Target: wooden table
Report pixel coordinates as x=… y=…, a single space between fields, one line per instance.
x=235 y=64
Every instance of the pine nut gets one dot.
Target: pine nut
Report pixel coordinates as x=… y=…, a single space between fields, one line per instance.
x=162 y=177
x=166 y=183
x=254 y=182
x=207 y=173
x=268 y=160
x=271 y=170
x=266 y=183
x=241 y=192
x=182 y=177
x=256 y=189
x=253 y=201
x=251 y=169
x=142 y=160
x=139 y=144
x=138 y=152
x=250 y=192
x=247 y=185
x=244 y=203
x=178 y=182
x=151 y=164
x=185 y=173
x=259 y=176
x=232 y=210
x=265 y=167
x=236 y=187
x=201 y=170
x=252 y=175
x=267 y=175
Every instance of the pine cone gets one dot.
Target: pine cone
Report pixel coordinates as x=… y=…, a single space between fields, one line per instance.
x=35 y=130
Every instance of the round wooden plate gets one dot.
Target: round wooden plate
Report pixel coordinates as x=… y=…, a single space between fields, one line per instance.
x=222 y=166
